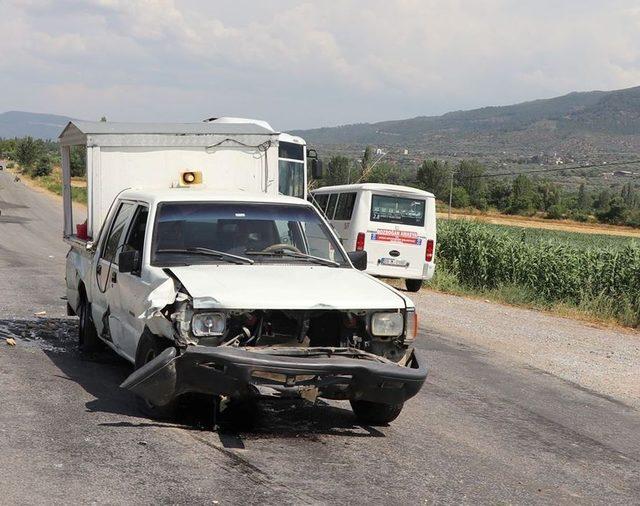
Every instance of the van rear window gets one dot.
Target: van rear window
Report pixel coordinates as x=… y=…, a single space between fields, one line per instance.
x=400 y=210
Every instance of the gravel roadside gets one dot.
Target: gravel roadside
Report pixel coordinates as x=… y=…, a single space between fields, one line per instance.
x=600 y=359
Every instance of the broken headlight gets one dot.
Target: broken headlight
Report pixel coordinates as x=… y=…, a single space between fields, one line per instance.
x=208 y=324
x=387 y=324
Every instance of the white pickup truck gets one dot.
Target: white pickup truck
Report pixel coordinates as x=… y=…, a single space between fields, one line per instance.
x=240 y=294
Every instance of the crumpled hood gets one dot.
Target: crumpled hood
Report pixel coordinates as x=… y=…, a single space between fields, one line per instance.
x=284 y=287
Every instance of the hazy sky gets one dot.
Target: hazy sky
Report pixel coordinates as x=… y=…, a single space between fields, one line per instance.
x=307 y=63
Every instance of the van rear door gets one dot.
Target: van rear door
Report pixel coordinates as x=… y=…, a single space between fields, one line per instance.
x=396 y=238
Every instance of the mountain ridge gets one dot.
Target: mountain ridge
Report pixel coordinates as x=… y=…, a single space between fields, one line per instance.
x=557 y=123
x=34 y=124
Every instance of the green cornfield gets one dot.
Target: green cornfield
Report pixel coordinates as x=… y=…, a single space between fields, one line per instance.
x=597 y=273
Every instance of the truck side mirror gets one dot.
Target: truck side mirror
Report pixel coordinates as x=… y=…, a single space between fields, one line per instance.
x=358 y=259
x=129 y=261
x=316 y=168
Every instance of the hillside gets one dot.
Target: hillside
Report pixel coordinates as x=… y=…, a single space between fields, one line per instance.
x=19 y=124
x=596 y=121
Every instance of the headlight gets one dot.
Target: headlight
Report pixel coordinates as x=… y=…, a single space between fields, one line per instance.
x=387 y=324
x=208 y=324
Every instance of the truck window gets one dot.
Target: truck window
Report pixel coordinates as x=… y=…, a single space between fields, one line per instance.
x=399 y=210
x=291 y=169
x=331 y=207
x=135 y=239
x=118 y=227
x=344 y=209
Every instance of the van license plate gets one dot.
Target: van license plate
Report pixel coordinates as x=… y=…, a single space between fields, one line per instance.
x=393 y=261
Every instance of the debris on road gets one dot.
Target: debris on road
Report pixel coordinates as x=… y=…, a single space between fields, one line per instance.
x=11 y=341
x=40 y=313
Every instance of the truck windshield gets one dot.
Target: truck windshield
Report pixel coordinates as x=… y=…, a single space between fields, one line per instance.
x=204 y=232
x=403 y=211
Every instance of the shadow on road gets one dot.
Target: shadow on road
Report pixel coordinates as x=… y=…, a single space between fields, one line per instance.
x=101 y=373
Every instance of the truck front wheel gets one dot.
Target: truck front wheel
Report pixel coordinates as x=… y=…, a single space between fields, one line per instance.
x=376 y=413
x=149 y=348
x=88 y=339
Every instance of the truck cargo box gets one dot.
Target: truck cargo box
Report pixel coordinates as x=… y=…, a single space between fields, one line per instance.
x=229 y=153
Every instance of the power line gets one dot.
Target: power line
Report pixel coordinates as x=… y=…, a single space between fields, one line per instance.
x=556 y=169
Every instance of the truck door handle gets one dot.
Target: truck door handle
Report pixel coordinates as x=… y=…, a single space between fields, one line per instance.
x=114 y=277
x=99 y=269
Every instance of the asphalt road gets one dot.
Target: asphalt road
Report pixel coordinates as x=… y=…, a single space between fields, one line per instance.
x=483 y=429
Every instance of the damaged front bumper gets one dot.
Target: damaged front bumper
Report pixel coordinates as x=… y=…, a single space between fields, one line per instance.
x=332 y=373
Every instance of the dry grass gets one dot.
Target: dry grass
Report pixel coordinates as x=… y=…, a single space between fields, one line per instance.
x=533 y=222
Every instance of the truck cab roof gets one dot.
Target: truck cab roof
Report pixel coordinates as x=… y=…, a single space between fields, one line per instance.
x=152 y=196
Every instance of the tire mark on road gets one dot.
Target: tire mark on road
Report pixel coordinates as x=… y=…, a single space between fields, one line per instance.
x=251 y=471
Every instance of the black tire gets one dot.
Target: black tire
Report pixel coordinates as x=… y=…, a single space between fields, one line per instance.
x=88 y=339
x=150 y=347
x=413 y=285
x=376 y=413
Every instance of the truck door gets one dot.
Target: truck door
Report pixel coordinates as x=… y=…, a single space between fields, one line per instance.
x=106 y=274
x=131 y=288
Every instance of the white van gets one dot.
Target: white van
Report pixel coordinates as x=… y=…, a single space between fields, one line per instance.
x=396 y=225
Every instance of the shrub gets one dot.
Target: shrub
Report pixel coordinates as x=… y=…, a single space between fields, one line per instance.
x=42 y=168
x=555 y=212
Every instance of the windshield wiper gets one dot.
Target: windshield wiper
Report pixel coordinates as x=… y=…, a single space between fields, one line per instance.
x=294 y=254
x=236 y=259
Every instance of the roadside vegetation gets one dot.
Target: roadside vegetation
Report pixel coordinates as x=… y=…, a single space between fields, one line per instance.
x=597 y=277
x=39 y=161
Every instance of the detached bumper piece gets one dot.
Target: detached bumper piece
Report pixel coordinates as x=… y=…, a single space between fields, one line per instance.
x=332 y=373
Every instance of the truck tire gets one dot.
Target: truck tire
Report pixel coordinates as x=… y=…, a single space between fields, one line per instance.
x=149 y=347
x=376 y=413
x=88 y=339
x=413 y=285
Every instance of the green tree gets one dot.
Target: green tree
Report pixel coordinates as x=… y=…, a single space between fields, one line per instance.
x=615 y=213
x=550 y=194
x=469 y=176
x=460 y=197
x=524 y=199
x=382 y=173
x=499 y=194
x=434 y=176
x=42 y=168
x=338 y=171
x=27 y=152
x=77 y=161
x=603 y=199
x=628 y=195
x=583 y=202
x=103 y=119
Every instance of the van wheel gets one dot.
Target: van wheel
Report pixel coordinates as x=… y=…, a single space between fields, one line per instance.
x=149 y=348
x=376 y=413
x=413 y=285
x=88 y=339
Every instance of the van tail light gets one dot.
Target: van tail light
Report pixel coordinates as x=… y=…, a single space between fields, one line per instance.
x=360 y=242
x=429 y=254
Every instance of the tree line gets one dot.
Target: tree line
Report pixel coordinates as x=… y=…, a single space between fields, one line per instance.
x=37 y=157
x=469 y=187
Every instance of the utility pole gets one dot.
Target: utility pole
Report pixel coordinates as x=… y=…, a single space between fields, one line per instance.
x=450 y=192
